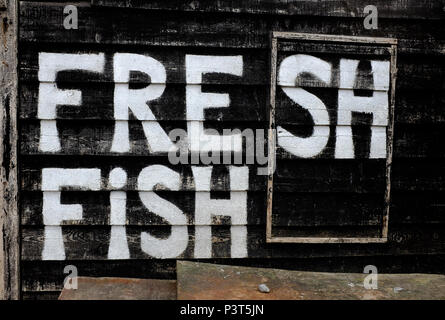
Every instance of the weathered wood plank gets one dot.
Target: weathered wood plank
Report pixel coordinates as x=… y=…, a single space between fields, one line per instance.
x=363 y=75
x=112 y=288
x=340 y=175
x=198 y=281
x=95 y=137
x=83 y=243
x=247 y=103
x=411 y=71
x=173 y=61
x=329 y=234
x=292 y=209
x=423 y=108
x=31 y=173
x=42 y=23
x=96 y=208
x=53 y=276
x=407 y=175
x=40 y=295
x=9 y=216
x=410 y=141
x=322 y=175
x=425 y=9
x=295 y=209
x=417 y=207
x=374 y=51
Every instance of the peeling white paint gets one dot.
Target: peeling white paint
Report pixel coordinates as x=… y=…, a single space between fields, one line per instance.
x=197 y=101
x=289 y=70
x=206 y=208
x=118 y=248
x=118 y=178
x=51 y=63
x=137 y=100
x=53 y=179
x=54 y=213
x=377 y=105
x=50 y=96
x=177 y=242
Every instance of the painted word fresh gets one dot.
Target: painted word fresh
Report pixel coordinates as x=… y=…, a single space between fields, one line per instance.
x=138 y=100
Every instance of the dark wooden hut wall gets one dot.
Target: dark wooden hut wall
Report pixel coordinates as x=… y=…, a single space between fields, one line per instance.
x=167 y=31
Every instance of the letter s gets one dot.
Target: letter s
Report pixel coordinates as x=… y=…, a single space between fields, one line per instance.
x=289 y=69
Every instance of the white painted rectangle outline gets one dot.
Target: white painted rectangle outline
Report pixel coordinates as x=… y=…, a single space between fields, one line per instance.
x=390 y=42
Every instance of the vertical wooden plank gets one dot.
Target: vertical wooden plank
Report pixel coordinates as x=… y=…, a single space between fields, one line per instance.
x=9 y=216
x=271 y=136
x=390 y=140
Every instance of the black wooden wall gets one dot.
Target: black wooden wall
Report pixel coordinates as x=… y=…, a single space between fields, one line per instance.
x=167 y=30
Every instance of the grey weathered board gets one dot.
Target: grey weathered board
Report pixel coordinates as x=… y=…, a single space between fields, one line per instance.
x=410 y=9
x=109 y=288
x=202 y=281
x=9 y=212
x=330 y=191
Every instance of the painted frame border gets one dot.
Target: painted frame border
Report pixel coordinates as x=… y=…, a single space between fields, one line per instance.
x=392 y=44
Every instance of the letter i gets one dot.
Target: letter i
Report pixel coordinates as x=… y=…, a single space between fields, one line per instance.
x=118 y=200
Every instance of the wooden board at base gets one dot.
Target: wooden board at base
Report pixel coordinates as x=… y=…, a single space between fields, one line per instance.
x=202 y=281
x=120 y=289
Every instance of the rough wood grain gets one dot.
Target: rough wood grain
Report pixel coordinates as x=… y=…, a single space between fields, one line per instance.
x=377 y=52
x=91 y=243
x=197 y=281
x=41 y=23
x=94 y=137
x=40 y=295
x=53 y=276
x=408 y=174
x=411 y=69
x=412 y=9
x=247 y=103
x=291 y=209
x=390 y=141
x=9 y=216
x=108 y=288
x=304 y=175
